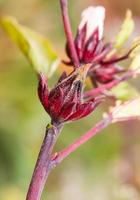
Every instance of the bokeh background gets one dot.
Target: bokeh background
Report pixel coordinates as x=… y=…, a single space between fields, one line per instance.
x=108 y=166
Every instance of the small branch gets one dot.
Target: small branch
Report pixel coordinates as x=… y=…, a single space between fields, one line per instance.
x=68 y=32
x=108 y=86
x=122 y=112
x=42 y=168
x=86 y=137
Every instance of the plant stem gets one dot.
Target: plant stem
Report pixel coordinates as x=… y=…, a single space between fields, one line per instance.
x=83 y=139
x=68 y=32
x=108 y=86
x=42 y=168
x=112 y=117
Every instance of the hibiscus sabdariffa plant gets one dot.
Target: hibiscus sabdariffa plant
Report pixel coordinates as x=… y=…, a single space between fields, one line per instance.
x=89 y=56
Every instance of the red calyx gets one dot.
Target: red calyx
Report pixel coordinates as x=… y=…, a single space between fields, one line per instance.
x=65 y=101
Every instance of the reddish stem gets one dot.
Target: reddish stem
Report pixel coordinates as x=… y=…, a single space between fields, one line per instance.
x=112 y=117
x=108 y=86
x=68 y=150
x=68 y=32
x=42 y=168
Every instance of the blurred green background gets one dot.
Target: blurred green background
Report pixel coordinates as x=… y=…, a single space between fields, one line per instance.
x=108 y=166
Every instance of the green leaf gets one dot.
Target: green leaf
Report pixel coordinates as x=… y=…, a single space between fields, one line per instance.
x=126 y=111
x=126 y=30
x=36 y=48
x=124 y=91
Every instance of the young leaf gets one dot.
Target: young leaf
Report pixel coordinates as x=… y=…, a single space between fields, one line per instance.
x=124 y=91
x=35 y=47
x=126 y=111
x=126 y=30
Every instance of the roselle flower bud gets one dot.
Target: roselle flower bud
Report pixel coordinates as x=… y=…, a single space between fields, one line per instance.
x=65 y=101
x=89 y=39
x=91 y=48
x=105 y=73
x=108 y=70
